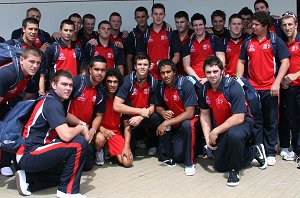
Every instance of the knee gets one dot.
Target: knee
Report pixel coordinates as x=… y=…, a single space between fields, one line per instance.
x=81 y=140
x=235 y=134
x=99 y=141
x=186 y=125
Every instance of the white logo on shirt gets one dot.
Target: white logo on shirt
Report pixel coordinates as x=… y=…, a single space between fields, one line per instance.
x=81 y=97
x=110 y=55
x=96 y=53
x=251 y=48
x=94 y=98
x=134 y=92
x=150 y=39
x=162 y=37
x=61 y=56
x=228 y=49
x=192 y=49
x=146 y=91
x=176 y=98
x=219 y=100
x=206 y=47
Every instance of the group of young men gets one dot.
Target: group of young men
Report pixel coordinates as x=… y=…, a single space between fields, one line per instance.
x=178 y=93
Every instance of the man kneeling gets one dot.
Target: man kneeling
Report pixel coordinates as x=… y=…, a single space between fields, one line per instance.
x=233 y=124
x=49 y=141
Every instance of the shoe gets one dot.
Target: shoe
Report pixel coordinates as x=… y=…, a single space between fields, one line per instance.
x=152 y=151
x=261 y=156
x=271 y=160
x=298 y=162
x=283 y=152
x=190 y=170
x=141 y=144
x=6 y=171
x=99 y=158
x=21 y=183
x=290 y=156
x=233 y=178
x=166 y=161
x=61 y=194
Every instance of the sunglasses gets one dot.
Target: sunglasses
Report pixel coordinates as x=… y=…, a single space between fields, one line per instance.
x=289 y=14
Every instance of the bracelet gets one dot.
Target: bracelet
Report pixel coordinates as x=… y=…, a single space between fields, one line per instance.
x=93 y=130
x=84 y=124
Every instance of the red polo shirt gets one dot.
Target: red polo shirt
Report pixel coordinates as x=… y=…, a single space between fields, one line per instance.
x=66 y=60
x=232 y=55
x=294 y=49
x=107 y=53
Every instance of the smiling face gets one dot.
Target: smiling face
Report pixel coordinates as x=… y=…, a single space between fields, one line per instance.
x=30 y=32
x=112 y=84
x=218 y=24
x=88 y=26
x=199 y=27
x=142 y=68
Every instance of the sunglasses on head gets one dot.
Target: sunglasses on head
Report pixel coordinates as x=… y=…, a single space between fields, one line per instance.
x=289 y=14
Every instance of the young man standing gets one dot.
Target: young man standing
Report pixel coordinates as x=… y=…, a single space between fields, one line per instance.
x=30 y=28
x=136 y=98
x=265 y=76
x=291 y=84
x=62 y=54
x=42 y=39
x=136 y=36
x=110 y=132
x=246 y=15
x=233 y=43
x=199 y=47
x=218 y=18
x=161 y=44
x=49 y=140
x=106 y=48
x=86 y=33
x=175 y=102
x=15 y=78
x=183 y=32
x=232 y=127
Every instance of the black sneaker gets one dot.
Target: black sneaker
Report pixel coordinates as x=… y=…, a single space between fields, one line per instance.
x=166 y=161
x=233 y=178
x=261 y=156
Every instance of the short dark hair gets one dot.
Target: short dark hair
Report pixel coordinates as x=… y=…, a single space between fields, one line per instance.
x=198 y=16
x=103 y=22
x=115 y=72
x=158 y=5
x=245 y=11
x=165 y=62
x=74 y=15
x=66 y=22
x=61 y=73
x=31 y=50
x=33 y=9
x=142 y=56
x=263 y=18
x=234 y=16
x=114 y=14
x=29 y=20
x=95 y=59
x=141 y=9
x=261 y=1
x=88 y=16
x=213 y=60
x=181 y=14
x=218 y=13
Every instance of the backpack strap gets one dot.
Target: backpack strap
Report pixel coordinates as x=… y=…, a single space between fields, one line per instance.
x=78 y=92
x=227 y=82
x=56 y=53
x=213 y=43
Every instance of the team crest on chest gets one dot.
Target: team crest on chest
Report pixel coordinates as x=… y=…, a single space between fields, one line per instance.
x=266 y=46
x=94 y=98
x=150 y=39
x=146 y=91
x=134 y=92
x=219 y=100
x=251 y=48
x=61 y=56
x=37 y=40
x=207 y=100
x=96 y=53
x=206 y=47
x=110 y=55
x=192 y=49
x=81 y=97
x=176 y=97
x=162 y=37
x=294 y=48
x=228 y=49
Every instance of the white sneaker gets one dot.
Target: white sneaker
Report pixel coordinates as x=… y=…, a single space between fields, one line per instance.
x=99 y=157
x=152 y=151
x=283 y=152
x=6 y=171
x=61 y=194
x=21 y=183
x=190 y=170
x=141 y=144
x=271 y=160
x=290 y=156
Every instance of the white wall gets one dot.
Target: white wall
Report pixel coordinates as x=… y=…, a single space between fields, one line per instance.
x=13 y=12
